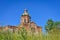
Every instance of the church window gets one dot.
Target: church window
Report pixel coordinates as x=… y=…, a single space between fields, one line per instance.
x=25 y=20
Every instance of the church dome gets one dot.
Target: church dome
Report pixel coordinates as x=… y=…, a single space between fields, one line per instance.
x=26 y=12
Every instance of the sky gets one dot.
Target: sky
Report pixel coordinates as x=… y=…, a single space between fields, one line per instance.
x=39 y=10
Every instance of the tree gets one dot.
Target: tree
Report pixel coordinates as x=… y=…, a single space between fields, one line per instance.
x=52 y=26
x=49 y=25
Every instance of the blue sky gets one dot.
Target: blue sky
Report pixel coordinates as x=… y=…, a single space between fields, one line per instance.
x=39 y=10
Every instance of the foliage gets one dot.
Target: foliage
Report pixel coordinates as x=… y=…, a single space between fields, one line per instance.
x=51 y=25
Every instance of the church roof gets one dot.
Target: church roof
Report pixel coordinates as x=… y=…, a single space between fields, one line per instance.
x=12 y=27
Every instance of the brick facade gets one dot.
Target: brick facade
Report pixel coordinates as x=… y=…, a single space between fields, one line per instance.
x=26 y=23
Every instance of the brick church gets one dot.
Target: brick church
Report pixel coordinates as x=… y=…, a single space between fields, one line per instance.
x=25 y=22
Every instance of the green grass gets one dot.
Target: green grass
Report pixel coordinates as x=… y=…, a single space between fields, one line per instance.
x=23 y=35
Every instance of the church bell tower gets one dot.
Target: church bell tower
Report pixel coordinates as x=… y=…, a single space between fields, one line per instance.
x=25 y=18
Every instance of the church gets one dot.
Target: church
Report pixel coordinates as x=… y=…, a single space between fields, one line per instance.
x=25 y=22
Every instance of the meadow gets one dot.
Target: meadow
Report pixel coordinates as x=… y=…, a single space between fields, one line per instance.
x=24 y=35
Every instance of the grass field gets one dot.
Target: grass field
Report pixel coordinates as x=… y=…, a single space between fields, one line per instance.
x=23 y=35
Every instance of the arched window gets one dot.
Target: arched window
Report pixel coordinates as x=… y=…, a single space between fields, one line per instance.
x=24 y=20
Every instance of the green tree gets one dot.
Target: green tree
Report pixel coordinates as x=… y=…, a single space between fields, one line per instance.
x=49 y=25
